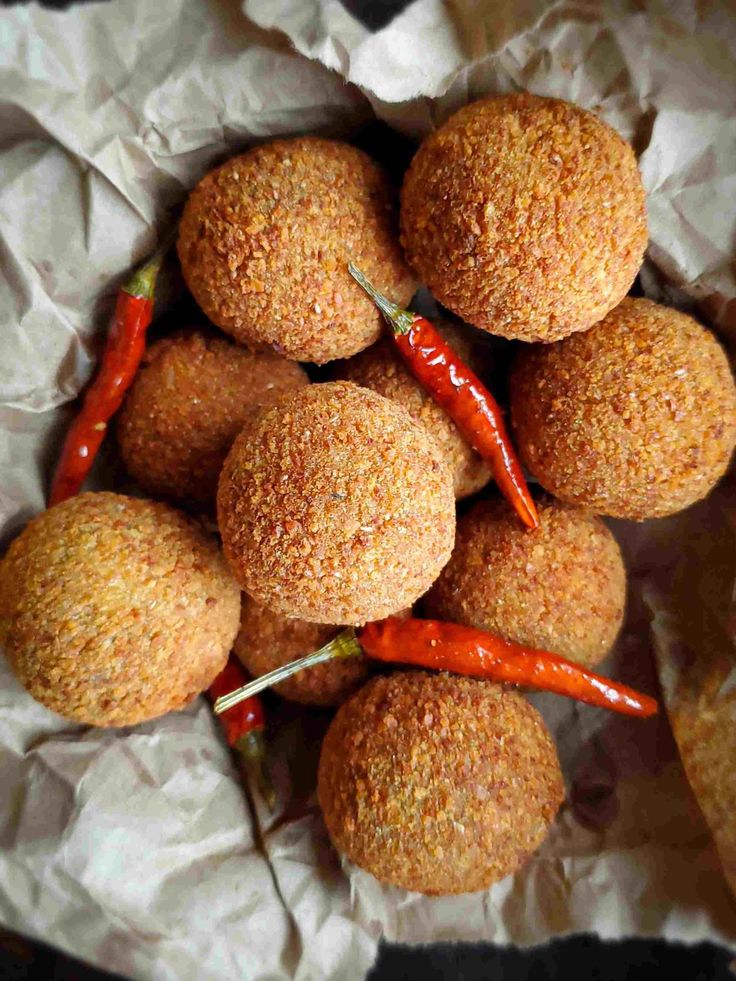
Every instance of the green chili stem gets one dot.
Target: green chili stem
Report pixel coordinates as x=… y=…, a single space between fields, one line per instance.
x=344 y=645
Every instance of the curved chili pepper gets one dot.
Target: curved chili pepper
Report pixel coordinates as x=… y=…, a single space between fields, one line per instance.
x=461 y=394
x=244 y=726
x=126 y=343
x=467 y=651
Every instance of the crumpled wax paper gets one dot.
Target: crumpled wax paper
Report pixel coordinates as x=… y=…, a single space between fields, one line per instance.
x=139 y=850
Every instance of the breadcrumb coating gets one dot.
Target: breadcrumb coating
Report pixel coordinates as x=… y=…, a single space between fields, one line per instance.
x=381 y=369
x=636 y=418
x=268 y=640
x=190 y=399
x=561 y=588
x=525 y=216
x=437 y=783
x=115 y=610
x=335 y=507
x=265 y=240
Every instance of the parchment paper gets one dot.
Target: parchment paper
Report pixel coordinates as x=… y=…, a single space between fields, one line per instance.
x=138 y=850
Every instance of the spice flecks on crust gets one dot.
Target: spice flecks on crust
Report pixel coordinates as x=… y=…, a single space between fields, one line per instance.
x=437 y=783
x=525 y=216
x=335 y=507
x=561 y=588
x=116 y=610
x=191 y=397
x=265 y=241
x=635 y=418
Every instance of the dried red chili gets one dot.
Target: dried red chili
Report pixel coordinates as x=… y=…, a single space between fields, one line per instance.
x=467 y=651
x=461 y=394
x=126 y=343
x=244 y=726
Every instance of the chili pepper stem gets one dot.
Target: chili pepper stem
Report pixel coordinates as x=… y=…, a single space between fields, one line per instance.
x=399 y=320
x=344 y=645
x=252 y=747
x=143 y=281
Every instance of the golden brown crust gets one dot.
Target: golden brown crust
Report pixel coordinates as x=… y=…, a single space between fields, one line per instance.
x=525 y=216
x=335 y=507
x=116 y=610
x=265 y=240
x=190 y=399
x=561 y=588
x=636 y=418
x=267 y=640
x=381 y=369
x=437 y=783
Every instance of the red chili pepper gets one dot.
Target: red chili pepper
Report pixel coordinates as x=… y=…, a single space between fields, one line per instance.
x=467 y=651
x=244 y=726
x=461 y=394
x=126 y=343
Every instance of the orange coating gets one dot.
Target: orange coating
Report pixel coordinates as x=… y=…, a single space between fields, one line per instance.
x=526 y=216
x=265 y=238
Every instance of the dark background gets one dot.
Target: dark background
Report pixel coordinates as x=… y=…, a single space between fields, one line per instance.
x=575 y=957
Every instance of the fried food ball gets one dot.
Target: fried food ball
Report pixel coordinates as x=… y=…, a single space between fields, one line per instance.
x=115 y=610
x=189 y=401
x=265 y=240
x=635 y=418
x=438 y=783
x=526 y=216
x=268 y=640
x=561 y=588
x=335 y=507
x=381 y=369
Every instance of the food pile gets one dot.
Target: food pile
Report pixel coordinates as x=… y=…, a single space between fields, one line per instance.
x=345 y=572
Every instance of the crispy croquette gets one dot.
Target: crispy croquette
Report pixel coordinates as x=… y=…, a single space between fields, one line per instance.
x=636 y=418
x=381 y=369
x=335 y=506
x=268 y=640
x=525 y=216
x=561 y=588
x=115 y=610
x=265 y=240
x=190 y=399
x=437 y=783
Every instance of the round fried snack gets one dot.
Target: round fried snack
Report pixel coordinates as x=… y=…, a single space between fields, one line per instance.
x=268 y=640
x=561 y=588
x=115 y=610
x=381 y=369
x=635 y=418
x=525 y=216
x=335 y=507
x=437 y=783
x=189 y=401
x=265 y=240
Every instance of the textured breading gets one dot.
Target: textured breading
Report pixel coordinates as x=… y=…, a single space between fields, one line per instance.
x=381 y=369
x=636 y=418
x=335 y=507
x=437 y=783
x=265 y=240
x=525 y=216
x=267 y=640
x=561 y=588
x=115 y=610
x=190 y=399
